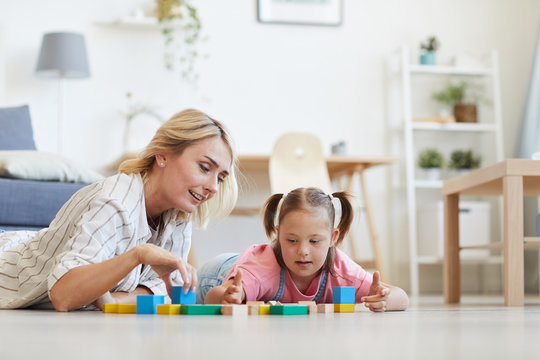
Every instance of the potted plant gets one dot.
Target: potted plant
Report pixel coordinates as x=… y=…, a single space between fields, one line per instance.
x=431 y=161
x=181 y=27
x=464 y=160
x=428 y=48
x=461 y=98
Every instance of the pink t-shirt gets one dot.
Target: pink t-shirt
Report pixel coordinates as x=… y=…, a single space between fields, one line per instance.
x=260 y=277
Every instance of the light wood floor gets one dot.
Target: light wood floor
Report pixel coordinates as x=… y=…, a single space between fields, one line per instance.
x=479 y=328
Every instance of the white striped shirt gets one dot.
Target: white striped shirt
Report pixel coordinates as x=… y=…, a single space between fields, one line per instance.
x=99 y=222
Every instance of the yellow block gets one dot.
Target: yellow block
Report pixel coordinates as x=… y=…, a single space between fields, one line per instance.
x=110 y=308
x=168 y=309
x=343 y=308
x=127 y=308
x=264 y=309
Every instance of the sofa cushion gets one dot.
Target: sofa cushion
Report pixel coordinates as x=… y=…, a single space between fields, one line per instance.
x=36 y=165
x=16 y=129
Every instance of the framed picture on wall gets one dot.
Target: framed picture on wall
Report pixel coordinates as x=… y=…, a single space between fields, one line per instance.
x=302 y=12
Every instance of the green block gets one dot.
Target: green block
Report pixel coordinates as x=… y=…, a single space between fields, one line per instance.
x=200 y=309
x=289 y=309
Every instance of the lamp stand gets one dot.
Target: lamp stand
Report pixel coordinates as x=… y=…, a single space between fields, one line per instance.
x=60 y=120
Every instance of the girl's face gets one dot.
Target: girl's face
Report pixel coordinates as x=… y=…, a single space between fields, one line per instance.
x=305 y=237
x=187 y=180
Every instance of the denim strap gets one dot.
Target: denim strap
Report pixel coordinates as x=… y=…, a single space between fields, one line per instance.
x=318 y=296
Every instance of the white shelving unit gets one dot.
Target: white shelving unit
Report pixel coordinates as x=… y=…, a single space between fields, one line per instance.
x=417 y=83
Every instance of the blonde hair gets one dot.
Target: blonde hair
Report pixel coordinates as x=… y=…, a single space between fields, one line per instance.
x=182 y=130
x=307 y=199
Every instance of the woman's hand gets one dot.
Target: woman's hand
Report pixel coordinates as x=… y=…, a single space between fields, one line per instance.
x=164 y=263
x=378 y=294
x=234 y=293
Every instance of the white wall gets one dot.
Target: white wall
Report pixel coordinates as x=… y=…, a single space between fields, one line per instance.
x=261 y=79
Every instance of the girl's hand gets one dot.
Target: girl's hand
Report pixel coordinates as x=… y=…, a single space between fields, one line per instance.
x=164 y=263
x=234 y=292
x=378 y=295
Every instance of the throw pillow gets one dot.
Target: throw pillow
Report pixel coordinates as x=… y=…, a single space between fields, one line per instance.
x=35 y=165
x=16 y=129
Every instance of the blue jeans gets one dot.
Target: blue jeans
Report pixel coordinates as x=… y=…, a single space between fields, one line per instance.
x=213 y=272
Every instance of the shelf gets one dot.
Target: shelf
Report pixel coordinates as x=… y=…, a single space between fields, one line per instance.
x=464 y=260
x=131 y=22
x=428 y=184
x=449 y=70
x=472 y=127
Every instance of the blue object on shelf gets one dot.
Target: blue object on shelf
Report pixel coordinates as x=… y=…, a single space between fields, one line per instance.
x=427 y=58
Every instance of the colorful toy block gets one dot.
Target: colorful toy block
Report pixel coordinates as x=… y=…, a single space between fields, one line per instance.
x=312 y=306
x=343 y=295
x=110 y=308
x=200 y=309
x=325 y=308
x=264 y=309
x=344 y=308
x=168 y=309
x=289 y=309
x=253 y=309
x=147 y=304
x=127 y=308
x=234 y=310
x=178 y=296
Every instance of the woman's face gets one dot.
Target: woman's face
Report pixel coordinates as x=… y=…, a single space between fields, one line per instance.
x=187 y=180
x=305 y=237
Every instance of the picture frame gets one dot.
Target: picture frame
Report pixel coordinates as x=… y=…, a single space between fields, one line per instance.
x=301 y=12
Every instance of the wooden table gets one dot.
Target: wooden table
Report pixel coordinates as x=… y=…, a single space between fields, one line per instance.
x=513 y=179
x=338 y=167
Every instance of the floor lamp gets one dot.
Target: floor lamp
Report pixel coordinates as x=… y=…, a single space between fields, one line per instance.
x=63 y=56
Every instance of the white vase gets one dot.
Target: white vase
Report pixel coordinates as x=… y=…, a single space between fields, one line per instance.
x=432 y=174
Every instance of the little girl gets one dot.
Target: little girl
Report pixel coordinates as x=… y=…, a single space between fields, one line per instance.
x=302 y=263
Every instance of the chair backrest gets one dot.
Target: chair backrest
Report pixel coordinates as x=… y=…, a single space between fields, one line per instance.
x=297 y=160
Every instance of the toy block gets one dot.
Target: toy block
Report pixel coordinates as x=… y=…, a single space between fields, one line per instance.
x=110 y=308
x=178 y=296
x=200 y=309
x=312 y=306
x=255 y=303
x=343 y=295
x=253 y=309
x=147 y=304
x=168 y=309
x=234 y=310
x=325 y=308
x=127 y=308
x=274 y=303
x=344 y=308
x=264 y=309
x=289 y=309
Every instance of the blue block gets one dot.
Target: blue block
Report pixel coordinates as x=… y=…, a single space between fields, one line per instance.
x=147 y=304
x=178 y=296
x=343 y=295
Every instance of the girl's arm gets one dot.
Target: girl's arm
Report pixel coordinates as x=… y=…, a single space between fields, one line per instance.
x=84 y=284
x=231 y=292
x=384 y=297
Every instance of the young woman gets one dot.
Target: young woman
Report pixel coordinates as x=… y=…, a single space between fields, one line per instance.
x=302 y=263
x=130 y=233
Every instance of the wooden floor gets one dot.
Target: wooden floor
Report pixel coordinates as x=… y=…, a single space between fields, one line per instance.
x=479 y=328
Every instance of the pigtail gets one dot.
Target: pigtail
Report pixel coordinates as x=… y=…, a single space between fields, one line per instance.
x=347 y=214
x=270 y=209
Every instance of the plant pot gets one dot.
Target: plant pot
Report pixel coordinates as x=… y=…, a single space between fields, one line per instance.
x=465 y=113
x=427 y=58
x=432 y=174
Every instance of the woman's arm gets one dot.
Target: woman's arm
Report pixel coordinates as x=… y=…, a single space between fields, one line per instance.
x=84 y=284
x=231 y=292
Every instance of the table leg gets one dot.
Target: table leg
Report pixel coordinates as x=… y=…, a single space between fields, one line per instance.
x=514 y=286
x=452 y=290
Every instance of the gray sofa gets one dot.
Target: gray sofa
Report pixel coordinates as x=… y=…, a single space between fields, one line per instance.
x=27 y=204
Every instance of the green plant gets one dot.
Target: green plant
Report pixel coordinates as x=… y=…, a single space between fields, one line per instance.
x=460 y=93
x=464 y=159
x=430 y=158
x=181 y=27
x=431 y=44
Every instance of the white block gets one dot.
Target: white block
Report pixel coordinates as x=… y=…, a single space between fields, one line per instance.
x=474 y=228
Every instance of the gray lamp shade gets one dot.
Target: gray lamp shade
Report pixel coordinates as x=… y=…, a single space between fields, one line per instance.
x=63 y=55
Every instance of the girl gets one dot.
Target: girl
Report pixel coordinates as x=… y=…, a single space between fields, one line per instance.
x=128 y=234
x=303 y=261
